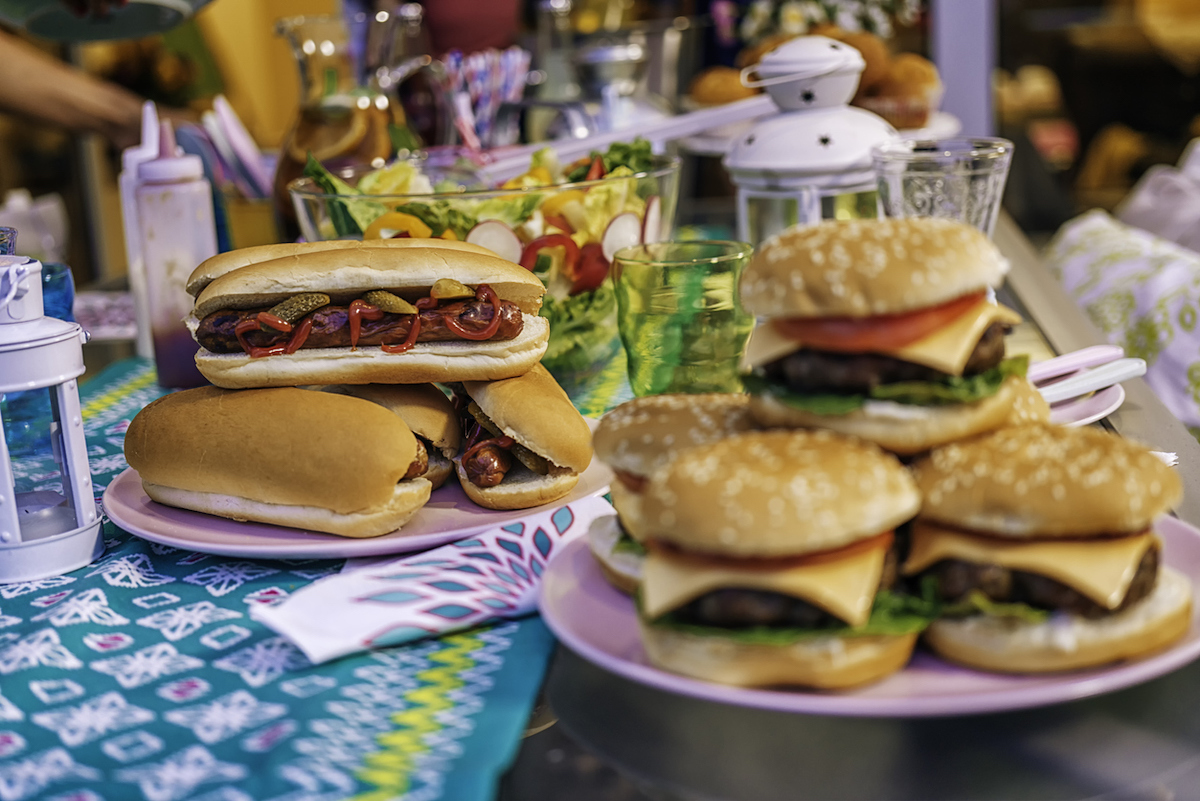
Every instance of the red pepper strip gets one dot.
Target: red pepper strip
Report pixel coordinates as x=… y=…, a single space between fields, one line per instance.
x=291 y=346
x=414 y=330
x=359 y=310
x=482 y=292
x=499 y=442
x=596 y=170
x=529 y=255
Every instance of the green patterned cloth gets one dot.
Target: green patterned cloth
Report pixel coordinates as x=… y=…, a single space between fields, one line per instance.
x=1143 y=293
x=143 y=676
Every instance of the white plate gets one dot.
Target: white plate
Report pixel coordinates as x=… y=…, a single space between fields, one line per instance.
x=599 y=623
x=448 y=516
x=1089 y=409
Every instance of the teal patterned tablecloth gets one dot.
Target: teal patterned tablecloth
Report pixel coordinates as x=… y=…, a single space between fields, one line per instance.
x=143 y=676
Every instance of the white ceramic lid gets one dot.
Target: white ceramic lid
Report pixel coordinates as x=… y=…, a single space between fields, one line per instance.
x=807 y=56
x=807 y=147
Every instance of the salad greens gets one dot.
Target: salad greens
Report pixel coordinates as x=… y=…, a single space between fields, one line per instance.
x=635 y=156
x=948 y=390
x=581 y=328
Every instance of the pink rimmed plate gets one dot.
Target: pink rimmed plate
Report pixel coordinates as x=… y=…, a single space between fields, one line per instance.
x=448 y=516
x=599 y=623
x=1089 y=409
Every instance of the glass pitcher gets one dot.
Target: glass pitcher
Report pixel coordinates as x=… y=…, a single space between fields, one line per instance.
x=341 y=121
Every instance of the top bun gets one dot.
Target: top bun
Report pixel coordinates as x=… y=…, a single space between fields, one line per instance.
x=346 y=274
x=862 y=268
x=214 y=267
x=534 y=411
x=423 y=407
x=642 y=434
x=777 y=493
x=275 y=446
x=1046 y=481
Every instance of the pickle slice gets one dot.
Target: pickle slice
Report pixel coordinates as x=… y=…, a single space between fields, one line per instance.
x=386 y=301
x=449 y=289
x=295 y=307
x=537 y=464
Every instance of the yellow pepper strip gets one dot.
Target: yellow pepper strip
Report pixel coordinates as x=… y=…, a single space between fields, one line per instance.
x=555 y=202
x=450 y=235
x=397 y=222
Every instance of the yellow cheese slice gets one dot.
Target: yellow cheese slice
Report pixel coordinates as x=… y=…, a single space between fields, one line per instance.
x=844 y=587
x=1099 y=569
x=946 y=349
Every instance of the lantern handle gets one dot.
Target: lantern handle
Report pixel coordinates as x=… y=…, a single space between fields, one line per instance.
x=14 y=274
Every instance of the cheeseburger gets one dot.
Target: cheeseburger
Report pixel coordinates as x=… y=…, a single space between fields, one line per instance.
x=771 y=558
x=1039 y=541
x=524 y=442
x=882 y=329
x=291 y=457
x=369 y=315
x=636 y=438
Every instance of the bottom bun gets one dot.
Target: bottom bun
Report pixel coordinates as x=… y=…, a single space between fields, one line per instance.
x=408 y=497
x=460 y=360
x=1069 y=642
x=440 y=468
x=521 y=488
x=826 y=663
x=901 y=428
x=623 y=569
x=629 y=508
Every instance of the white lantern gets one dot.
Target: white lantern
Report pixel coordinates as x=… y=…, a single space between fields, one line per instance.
x=44 y=533
x=796 y=166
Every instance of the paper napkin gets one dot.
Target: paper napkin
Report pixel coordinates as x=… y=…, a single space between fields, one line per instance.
x=490 y=576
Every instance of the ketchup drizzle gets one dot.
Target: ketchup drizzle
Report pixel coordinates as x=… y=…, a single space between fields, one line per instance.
x=360 y=310
x=255 y=323
x=414 y=330
x=482 y=292
x=504 y=442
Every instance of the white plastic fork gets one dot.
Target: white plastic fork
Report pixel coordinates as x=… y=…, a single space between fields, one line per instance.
x=1092 y=380
x=1071 y=362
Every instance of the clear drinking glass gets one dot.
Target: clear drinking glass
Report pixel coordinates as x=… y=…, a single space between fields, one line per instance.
x=962 y=178
x=679 y=317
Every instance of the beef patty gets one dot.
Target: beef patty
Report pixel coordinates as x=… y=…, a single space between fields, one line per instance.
x=957 y=579
x=810 y=371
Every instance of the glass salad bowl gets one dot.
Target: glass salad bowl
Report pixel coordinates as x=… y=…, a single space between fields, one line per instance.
x=566 y=233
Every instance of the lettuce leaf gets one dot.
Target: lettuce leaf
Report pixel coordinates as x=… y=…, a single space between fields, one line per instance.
x=351 y=214
x=949 y=390
x=977 y=602
x=582 y=329
x=440 y=215
x=627 y=544
x=510 y=209
x=635 y=155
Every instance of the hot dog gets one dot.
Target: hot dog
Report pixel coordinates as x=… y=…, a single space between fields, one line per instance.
x=524 y=443
x=369 y=315
x=286 y=456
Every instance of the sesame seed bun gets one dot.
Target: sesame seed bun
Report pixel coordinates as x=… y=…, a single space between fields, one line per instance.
x=776 y=494
x=863 y=268
x=1046 y=481
x=642 y=434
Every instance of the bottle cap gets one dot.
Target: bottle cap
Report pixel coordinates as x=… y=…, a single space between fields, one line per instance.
x=171 y=165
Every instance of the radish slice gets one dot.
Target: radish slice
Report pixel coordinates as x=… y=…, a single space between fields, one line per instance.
x=498 y=238
x=623 y=231
x=652 y=221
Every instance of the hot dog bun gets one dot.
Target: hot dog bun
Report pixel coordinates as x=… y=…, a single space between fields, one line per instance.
x=535 y=412
x=291 y=457
x=427 y=411
x=212 y=268
x=345 y=275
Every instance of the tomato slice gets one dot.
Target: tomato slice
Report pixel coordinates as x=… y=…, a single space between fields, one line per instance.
x=885 y=332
